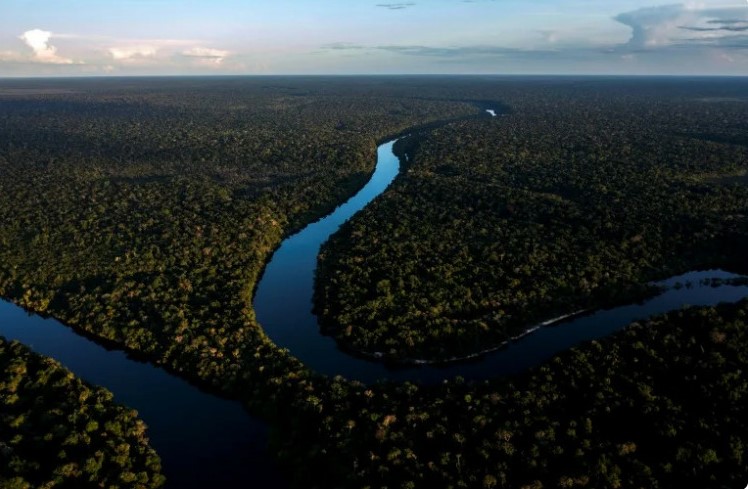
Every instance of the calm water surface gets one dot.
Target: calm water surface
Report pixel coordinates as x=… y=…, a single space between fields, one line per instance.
x=284 y=299
x=205 y=441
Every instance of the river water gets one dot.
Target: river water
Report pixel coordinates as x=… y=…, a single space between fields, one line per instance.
x=206 y=441
x=284 y=299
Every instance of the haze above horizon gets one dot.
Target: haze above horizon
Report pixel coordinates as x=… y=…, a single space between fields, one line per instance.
x=229 y=37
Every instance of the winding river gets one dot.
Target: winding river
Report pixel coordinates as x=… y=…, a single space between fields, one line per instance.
x=207 y=441
x=284 y=300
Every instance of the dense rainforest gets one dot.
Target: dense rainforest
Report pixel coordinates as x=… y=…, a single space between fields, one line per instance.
x=141 y=211
x=58 y=432
x=660 y=404
x=563 y=206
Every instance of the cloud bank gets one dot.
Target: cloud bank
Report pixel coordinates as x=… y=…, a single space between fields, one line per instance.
x=43 y=51
x=133 y=52
x=207 y=55
x=682 y=26
x=671 y=35
x=693 y=38
x=395 y=6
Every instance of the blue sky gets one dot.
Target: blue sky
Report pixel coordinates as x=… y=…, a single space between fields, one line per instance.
x=172 y=37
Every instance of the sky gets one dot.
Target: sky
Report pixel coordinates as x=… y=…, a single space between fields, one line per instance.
x=262 y=37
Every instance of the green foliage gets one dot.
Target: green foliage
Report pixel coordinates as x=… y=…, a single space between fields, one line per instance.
x=647 y=407
x=571 y=202
x=52 y=430
x=145 y=217
x=142 y=211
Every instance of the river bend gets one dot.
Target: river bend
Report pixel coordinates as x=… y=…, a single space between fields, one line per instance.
x=206 y=441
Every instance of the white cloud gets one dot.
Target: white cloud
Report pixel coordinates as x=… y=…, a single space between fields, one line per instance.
x=653 y=26
x=668 y=25
x=133 y=52
x=44 y=52
x=207 y=55
x=10 y=56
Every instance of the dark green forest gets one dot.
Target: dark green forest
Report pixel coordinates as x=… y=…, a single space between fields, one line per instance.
x=660 y=404
x=574 y=201
x=56 y=431
x=142 y=211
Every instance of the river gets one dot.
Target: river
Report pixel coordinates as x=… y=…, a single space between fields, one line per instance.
x=284 y=300
x=203 y=440
x=207 y=441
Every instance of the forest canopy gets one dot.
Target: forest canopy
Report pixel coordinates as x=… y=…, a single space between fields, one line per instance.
x=57 y=431
x=142 y=211
x=573 y=201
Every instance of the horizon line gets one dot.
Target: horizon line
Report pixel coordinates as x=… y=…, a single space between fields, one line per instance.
x=372 y=75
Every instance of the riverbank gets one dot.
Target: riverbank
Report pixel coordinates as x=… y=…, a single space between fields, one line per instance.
x=202 y=439
x=163 y=259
